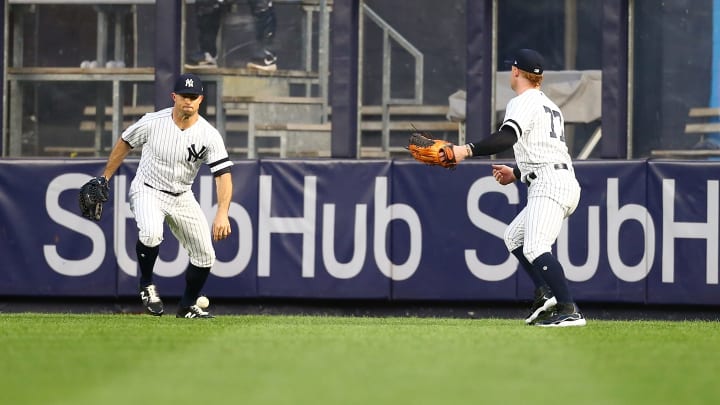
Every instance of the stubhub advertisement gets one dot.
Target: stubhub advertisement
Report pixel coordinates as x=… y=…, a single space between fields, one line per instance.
x=644 y=232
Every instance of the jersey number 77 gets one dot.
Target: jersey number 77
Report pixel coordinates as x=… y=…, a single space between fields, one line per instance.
x=555 y=117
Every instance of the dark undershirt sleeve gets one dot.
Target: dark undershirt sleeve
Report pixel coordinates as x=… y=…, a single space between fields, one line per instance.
x=499 y=141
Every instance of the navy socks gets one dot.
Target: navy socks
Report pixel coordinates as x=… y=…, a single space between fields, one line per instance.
x=194 y=281
x=537 y=279
x=146 y=260
x=552 y=272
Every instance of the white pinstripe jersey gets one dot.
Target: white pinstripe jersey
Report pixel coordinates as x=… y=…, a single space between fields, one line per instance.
x=171 y=157
x=540 y=128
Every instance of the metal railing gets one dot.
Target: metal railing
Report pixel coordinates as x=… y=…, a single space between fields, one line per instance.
x=389 y=33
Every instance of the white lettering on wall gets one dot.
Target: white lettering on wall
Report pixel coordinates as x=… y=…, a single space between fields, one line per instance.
x=353 y=267
x=305 y=225
x=334 y=239
x=673 y=230
x=77 y=223
x=490 y=225
x=616 y=216
x=384 y=215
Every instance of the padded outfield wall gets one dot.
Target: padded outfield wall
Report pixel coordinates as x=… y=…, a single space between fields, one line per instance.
x=644 y=232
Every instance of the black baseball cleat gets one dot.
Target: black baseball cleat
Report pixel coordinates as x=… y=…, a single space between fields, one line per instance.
x=151 y=300
x=563 y=315
x=193 y=311
x=544 y=300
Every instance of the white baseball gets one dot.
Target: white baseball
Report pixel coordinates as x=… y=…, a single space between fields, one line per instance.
x=203 y=302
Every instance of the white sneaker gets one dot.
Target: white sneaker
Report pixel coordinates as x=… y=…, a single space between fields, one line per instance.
x=267 y=63
x=204 y=61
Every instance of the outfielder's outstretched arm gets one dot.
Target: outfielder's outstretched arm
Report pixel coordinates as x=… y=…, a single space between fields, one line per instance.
x=117 y=156
x=499 y=141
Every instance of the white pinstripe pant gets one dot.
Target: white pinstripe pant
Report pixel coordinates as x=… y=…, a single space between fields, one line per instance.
x=552 y=197
x=185 y=219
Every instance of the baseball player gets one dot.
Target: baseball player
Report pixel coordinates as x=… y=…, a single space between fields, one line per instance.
x=175 y=142
x=534 y=127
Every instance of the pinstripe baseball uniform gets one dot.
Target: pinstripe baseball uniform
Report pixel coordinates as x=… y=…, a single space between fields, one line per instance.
x=161 y=189
x=553 y=193
x=175 y=142
x=534 y=127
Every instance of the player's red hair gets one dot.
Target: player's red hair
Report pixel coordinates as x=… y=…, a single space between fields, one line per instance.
x=536 y=80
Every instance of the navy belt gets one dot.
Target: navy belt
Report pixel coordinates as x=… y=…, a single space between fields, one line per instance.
x=533 y=176
x=165 y=191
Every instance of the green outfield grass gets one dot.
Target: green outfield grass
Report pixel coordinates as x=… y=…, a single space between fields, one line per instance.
x=138 y=360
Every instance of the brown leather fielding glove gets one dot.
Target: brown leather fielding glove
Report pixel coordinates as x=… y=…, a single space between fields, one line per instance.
x=434 y=152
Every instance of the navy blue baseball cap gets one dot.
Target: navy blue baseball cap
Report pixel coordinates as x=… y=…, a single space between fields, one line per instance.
x=528 y=60
x=188 y=83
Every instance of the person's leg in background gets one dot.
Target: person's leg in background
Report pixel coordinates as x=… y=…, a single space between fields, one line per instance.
x=263 y=13
x=208 y=14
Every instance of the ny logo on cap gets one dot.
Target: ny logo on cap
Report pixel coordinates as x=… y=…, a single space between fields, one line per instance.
x=189 y=83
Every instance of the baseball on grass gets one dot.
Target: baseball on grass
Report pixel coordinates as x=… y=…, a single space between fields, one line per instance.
x=203 y=302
